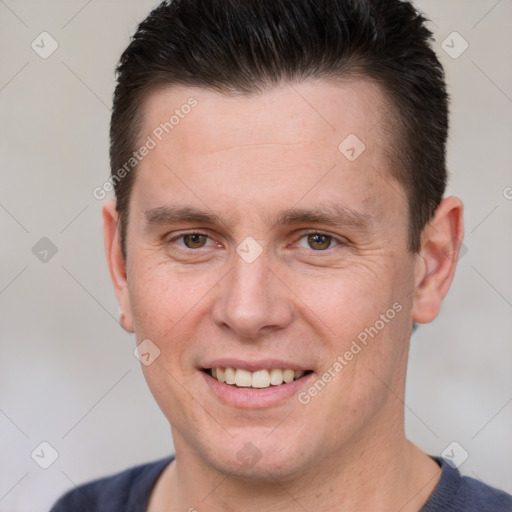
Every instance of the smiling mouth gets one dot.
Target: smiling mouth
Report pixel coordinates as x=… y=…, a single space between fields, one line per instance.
x=260 y=379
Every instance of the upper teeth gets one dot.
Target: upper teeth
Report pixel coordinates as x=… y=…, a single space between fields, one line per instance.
x=258 y=379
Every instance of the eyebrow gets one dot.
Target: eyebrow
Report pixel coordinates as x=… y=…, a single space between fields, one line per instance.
x=177 y=214
x=326 y=213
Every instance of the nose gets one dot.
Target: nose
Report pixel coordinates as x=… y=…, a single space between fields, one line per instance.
x=252 y=301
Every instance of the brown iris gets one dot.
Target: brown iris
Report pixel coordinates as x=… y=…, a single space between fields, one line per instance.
x=196 y=240
x=322 y=241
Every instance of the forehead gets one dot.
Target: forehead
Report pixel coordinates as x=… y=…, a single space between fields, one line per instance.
x=306 y=113
x=319 y=141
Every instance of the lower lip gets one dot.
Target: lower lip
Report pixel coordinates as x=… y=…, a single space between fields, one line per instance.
x=251 y=398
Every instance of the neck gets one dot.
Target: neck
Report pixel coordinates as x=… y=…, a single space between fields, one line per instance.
x=360 y=478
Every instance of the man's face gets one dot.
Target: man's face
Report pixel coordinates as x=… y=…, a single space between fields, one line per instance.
x=260 y=290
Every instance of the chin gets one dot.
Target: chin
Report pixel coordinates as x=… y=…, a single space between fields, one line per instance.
x=259 y=459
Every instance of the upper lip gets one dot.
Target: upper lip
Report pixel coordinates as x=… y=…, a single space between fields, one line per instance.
x=252 y=366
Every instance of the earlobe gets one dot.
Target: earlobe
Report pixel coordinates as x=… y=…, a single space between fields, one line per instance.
x=437 y=259
x=116 y=263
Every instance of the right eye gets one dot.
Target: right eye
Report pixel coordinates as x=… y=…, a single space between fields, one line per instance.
x=191 y=240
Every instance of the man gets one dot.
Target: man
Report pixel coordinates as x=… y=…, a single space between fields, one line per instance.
x=280 y=226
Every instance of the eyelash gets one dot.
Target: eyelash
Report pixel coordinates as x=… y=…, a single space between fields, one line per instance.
x=304 y=234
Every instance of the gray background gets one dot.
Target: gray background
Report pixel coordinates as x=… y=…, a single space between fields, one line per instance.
x=67 y=372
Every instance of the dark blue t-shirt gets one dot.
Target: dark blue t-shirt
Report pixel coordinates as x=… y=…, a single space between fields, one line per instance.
x=129 y=491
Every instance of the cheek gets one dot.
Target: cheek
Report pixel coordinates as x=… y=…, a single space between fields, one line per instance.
x=163 y=307
x=345 y=300
x=162 y=310
x=173 y=398
x=162 y=298
x=364 y=317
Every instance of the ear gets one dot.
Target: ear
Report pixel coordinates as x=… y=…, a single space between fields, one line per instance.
x=116 y=263
x=437 y=259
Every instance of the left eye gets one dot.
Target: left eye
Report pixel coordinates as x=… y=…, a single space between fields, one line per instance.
x=192 y=240
x=319 y=241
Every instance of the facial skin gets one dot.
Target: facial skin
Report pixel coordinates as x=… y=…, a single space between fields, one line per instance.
x=298 y=305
